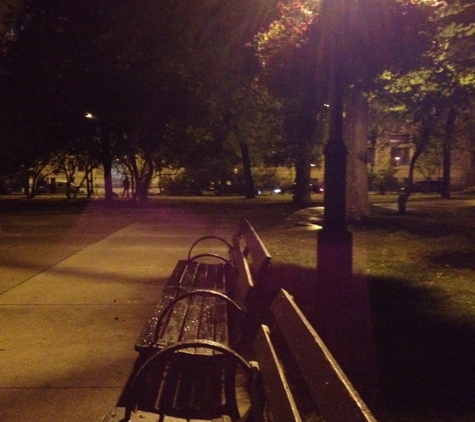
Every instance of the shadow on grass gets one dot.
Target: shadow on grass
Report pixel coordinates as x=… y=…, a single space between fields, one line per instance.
x=426 y=362
x=461 y=258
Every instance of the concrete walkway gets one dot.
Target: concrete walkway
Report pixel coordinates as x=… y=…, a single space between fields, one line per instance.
x=67 y=332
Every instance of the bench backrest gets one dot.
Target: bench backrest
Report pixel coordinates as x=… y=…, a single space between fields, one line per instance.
x=329 y=388
x=254 y=250
x=251 y=259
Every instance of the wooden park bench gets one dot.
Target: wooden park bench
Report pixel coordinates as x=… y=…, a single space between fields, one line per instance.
x=301 y=379
x=292 y=377
x=191 y=336
x=206 y=293
x=190 y=357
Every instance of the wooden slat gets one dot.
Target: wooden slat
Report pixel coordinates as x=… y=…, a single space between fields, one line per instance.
x=200 y=316
x=175 y=322
x=244 y=281
x=185 y=383
x=216 y=274
x=180 y=278
x=177 y=274
x=278 y=395
x=332 y=391
x=117 y=415
x=221 y=323
x=188 y=276
x=174 y=329
x=190 y=317
x=255 y=249
x=224 y=418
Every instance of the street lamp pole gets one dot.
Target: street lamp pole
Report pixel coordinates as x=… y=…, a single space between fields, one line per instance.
x=334 y=242
x=342 y=312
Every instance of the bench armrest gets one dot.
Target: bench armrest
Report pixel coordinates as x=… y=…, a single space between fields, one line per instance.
x=201 y=239
x=163 y=358
x=211 y=255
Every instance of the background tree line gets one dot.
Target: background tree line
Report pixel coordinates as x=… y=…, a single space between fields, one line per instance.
x=209 y=86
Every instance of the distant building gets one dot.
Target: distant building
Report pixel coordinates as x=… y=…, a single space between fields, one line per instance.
x=397 y=151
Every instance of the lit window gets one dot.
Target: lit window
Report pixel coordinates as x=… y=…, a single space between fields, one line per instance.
x=400 y=156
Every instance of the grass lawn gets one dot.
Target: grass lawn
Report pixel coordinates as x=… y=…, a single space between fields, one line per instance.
x=420 y=273
x=420 y=270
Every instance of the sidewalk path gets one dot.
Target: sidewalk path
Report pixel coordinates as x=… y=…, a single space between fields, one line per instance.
x=67 y=333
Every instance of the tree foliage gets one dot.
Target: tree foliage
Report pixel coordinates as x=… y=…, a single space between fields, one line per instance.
x=169 y=81
x=139 y=68
x=288 y=60
x=430 y=97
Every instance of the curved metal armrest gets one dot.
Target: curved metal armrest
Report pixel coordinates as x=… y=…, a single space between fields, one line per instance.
x=163 y=354
x=201 y=239
x=215 y=256
x=197 y=292
x=210 y=255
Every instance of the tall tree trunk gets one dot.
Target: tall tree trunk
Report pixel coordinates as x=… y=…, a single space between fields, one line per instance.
x=307 y=126
x=143 y=184
x=27 y=185
x=106 y=158
x=246 y=166
x=356 y=138
x=134 y=172
x=447 y=152
x=89 y=182
x=302 y=194
x=420 y=148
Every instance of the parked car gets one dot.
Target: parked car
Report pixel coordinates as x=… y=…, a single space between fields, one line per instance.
x=291 y=189
x=59 y=187
x=427 y=186
x=317 y=189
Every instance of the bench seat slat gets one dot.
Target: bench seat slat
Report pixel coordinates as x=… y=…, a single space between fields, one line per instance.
x=180 y=385
x=148 y=331
x=221 y=333
x=185 y=277
x=177 y=274
x=190 y=321
x=182 y=279
x=174 y=328
x=187 y=382
x=118 y=414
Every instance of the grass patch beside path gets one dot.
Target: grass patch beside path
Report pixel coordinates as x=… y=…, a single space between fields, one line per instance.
x=421 y=273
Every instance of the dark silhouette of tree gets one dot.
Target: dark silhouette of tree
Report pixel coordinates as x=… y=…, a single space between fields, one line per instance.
x=139 y=68
x=288 y=58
